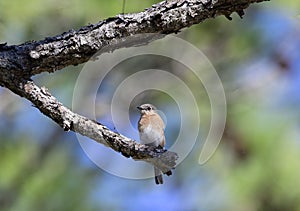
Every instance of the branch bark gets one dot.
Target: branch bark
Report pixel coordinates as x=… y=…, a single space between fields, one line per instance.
x=77 y=46
x=18 y=63
x=68 y=120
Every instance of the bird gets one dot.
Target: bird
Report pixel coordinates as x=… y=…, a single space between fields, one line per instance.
x=151 y=131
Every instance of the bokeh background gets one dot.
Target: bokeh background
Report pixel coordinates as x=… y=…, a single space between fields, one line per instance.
x=256 y=166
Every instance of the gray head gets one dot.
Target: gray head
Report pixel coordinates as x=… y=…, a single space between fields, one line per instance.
x=146 y=108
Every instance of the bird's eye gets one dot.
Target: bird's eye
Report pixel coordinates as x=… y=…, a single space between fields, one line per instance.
x=149 y=108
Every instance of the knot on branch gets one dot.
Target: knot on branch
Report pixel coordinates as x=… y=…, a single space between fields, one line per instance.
x=160 y=158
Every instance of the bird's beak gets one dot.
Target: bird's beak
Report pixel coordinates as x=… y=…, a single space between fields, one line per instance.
x=139 y=108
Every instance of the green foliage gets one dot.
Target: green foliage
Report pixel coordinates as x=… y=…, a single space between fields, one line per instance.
x=266 y=179
x=33 y=179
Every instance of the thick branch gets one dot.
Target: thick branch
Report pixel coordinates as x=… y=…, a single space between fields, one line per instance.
x=76 y=47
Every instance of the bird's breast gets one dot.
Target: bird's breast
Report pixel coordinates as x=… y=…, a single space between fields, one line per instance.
x=149 y=135
x=151 y=130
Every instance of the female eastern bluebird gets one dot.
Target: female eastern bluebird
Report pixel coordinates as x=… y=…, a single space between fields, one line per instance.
x=151 y=130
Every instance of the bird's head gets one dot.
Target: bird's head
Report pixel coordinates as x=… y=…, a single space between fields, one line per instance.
x=147 y=108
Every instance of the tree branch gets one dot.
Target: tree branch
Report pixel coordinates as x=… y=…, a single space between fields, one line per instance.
x=68 y=120
x=76 y=47
x=19 y=62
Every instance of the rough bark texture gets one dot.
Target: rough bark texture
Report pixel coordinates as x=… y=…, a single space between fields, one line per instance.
x=75 y=47
x=19 y=62
x=68 y=120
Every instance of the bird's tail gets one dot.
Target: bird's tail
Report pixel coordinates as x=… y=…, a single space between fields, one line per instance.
x=158 y=176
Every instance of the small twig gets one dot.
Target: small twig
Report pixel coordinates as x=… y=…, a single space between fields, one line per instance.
x=123 y=6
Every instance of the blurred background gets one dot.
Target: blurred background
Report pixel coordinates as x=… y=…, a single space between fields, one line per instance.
x=256 y=166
